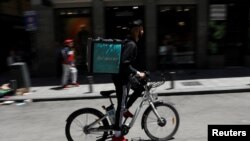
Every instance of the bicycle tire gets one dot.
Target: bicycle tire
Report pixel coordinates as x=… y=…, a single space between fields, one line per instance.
x=89 y=112
x=158 y=134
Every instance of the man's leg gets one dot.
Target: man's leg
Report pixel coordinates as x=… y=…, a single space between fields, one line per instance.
x=121 y=94
x=123 y=103
x=73 y=71
x=137 y=93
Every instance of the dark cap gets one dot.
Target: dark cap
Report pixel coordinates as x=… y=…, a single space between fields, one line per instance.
x=135 y=23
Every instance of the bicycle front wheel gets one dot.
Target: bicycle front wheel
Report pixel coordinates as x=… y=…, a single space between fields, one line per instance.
x=166 y=128
x=77 y=122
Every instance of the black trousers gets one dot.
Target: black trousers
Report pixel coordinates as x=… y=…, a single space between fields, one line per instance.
x=133 y=97
x=122 y=87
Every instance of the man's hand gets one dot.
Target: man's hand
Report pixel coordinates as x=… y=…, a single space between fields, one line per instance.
x=140 y=74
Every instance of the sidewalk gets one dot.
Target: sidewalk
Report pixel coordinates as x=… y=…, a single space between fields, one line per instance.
x=186 y=82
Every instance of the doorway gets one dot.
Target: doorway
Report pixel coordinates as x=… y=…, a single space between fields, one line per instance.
x=237 y=35
x=74 y=23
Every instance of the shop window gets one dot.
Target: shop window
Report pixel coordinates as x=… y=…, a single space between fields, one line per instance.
x=117 y=27
x=74 y=23
x=217 y=28
x=118 y=18
x=248 y=49
x=70 y=21
x=176 y=35
x=228 y=24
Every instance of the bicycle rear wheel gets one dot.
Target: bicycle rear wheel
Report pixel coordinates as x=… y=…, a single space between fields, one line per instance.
x=161 y=131
x=78 y=120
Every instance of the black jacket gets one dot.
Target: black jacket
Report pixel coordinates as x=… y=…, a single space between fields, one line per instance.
x=128 y=58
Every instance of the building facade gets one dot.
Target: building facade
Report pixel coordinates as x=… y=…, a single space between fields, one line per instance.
x=109 y=19
x=13 y=34
x=205 y=33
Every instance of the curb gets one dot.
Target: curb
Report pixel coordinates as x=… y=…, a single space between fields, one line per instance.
x=204 y=92
x=100 y=97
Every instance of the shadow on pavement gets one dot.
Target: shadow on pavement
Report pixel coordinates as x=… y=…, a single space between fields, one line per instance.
x=180 y=74
x=57 y=88
x=140 y=139
x=56 y=81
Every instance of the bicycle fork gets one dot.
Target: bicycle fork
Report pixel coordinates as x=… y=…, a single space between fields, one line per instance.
x=155 y=112
x=138 y=111
x=135 y=115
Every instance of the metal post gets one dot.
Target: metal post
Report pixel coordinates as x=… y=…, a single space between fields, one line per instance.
x=91 y=81
x=172 y=77
x=13 y=85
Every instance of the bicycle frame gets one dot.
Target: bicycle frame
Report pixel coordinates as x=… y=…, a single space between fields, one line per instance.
x=147 y=97
x=101 y=125
x=89 y=128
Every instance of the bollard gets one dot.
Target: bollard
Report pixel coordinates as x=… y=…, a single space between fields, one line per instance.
x=13 y=85
x=172 y=77
x=91 y=81
x=20 y=73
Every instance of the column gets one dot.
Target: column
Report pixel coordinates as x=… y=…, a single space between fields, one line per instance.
x=150 y=32
x=44 y=46
x=202 y=29
x=98 y=18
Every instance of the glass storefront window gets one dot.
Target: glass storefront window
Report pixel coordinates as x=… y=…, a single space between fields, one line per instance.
x=248 y=49
x=118 y=18
x=74 y=23
x=217 y=28
x=117 y=27
x=228 y=23
x=70 y=20
x=176 y=35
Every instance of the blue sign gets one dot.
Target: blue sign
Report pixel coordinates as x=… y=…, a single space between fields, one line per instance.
x=30 y=20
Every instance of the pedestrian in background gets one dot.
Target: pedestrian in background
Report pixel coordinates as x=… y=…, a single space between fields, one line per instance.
x=82 y=39
x=68 y=64
x=166 y=53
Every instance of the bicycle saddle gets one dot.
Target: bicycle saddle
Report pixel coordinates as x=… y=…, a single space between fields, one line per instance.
x=107 y=93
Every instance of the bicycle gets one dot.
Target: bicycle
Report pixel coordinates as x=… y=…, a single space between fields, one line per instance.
x=160 y=120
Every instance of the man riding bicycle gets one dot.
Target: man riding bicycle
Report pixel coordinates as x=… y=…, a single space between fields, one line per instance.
x=121 y=80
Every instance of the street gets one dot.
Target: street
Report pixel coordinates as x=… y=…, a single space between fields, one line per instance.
x=45 y=121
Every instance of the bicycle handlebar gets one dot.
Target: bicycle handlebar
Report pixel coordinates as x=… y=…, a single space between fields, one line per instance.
x=137 y=81
x=158 y=83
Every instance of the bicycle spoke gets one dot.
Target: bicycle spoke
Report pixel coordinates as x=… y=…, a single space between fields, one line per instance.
x=152 y=123
x=76 y=129
x=153 y=118
x=87 y=118
x=164 y=130
x=78 y=123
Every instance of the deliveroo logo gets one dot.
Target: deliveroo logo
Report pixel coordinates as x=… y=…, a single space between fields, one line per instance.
x=106 y=57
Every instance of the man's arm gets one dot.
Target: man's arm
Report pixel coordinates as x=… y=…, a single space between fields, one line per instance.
x=131 y=53
x=128 y=56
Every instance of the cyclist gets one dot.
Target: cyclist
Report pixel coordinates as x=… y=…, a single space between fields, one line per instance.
x=121 y=80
